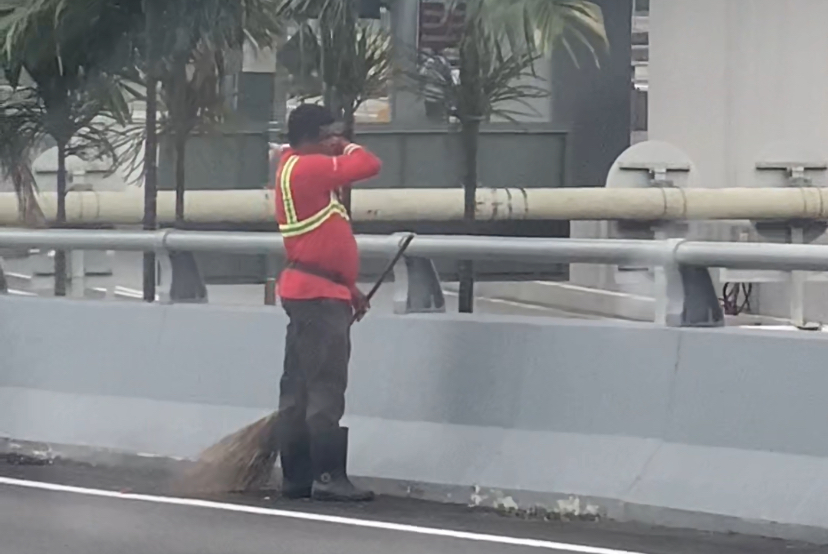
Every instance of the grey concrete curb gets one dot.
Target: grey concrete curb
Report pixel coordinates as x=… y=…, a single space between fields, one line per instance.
x=588 y=301
x=548 y=505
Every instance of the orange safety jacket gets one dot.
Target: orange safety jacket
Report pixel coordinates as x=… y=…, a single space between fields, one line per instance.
x=314 y=223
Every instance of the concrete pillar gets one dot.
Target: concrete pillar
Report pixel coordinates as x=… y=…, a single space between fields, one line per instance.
x=593 y=105
x=256 y=86
x=730 y=77
x=406 y=108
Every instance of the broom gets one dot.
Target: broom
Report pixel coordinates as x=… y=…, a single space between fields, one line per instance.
x=244 y=461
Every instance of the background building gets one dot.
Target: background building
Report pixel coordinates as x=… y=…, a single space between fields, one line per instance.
x=640 y=68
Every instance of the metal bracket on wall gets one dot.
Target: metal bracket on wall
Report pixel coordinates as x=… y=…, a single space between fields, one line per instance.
x=794 y=174
x=659 y=172
x=650 y=164
x=786 y=165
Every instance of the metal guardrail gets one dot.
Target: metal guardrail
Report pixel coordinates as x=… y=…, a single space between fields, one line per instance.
x=684 y=293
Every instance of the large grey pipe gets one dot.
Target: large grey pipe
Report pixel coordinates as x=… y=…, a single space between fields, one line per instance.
x=255 y=206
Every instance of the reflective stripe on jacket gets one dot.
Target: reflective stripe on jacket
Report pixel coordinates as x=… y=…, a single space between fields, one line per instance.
x=292 y=226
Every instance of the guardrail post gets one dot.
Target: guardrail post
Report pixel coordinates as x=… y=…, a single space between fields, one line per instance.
x=4 y=285
x=417 y=287
x=270 y=280
x=701 y=303
x=796 y=283
x=685 y=295
x=668 y=288
x=179 y=279
x=270 y=291
x=77 y=284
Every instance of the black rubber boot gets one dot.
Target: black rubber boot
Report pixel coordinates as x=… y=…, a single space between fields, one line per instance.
x=297 y=472
x=329 y=452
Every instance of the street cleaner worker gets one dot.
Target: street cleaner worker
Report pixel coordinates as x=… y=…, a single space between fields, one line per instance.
x=318 y=291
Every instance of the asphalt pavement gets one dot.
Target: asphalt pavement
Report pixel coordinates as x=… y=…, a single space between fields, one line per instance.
x=71 y=508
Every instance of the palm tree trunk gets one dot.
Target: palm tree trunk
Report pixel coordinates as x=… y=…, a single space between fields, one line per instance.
x=180 y=176
x=24 y=186
x=470 y=137
x=151 y=147
x=60 y=220
x=349 y=118
x=349 y=134
x=181 y=116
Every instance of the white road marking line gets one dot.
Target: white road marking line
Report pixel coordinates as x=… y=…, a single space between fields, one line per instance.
x=511 y=303
x=320 y=518
x=500 y=301
x=15 y=292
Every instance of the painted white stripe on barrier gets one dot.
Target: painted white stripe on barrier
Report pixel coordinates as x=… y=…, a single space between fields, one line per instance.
x=522 y=305
x=15 y=292
x=320 y=518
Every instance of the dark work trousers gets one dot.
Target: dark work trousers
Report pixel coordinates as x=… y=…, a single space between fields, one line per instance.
x=317 y=352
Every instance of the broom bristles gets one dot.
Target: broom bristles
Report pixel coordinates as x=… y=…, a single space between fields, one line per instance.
x=239 y=462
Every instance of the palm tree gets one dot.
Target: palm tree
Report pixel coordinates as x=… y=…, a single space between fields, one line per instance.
x=498 y=48
x=337 y=55
x=318 y=68
x=21 y=132
x=178 y=45
x=150 y=61
x=176 y=52
x=543 y=25
x=197 y=39
x=48 y=56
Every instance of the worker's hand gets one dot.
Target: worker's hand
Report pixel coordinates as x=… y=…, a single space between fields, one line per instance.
x=276 y=150
x=360 y=304
x=339 y=145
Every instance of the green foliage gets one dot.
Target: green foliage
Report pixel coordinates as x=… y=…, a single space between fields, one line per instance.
x=335 y=54
x=63 y=82
x=498 y=47
x=195 y=45
x=197 y=39
x=541 y=25
x=20 y=133
x=493 y=77
x=363 y=75
x=65 y=75
x=67 y=69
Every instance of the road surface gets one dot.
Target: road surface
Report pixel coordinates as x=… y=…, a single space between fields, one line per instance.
x=77 y=509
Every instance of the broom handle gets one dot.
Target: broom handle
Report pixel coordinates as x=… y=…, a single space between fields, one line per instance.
x=389 y=268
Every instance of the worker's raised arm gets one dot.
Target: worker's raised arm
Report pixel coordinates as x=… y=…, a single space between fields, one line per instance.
x=334 y=172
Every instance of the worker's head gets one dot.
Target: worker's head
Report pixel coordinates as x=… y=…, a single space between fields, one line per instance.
x=312 y=129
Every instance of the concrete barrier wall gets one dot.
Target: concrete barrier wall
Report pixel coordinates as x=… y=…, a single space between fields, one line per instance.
x=720 y=428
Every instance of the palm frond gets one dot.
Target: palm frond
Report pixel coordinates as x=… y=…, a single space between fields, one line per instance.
x=21 y=131
x=62 y=78
x=334 y=54
x=544 y=24
x=493 y=77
